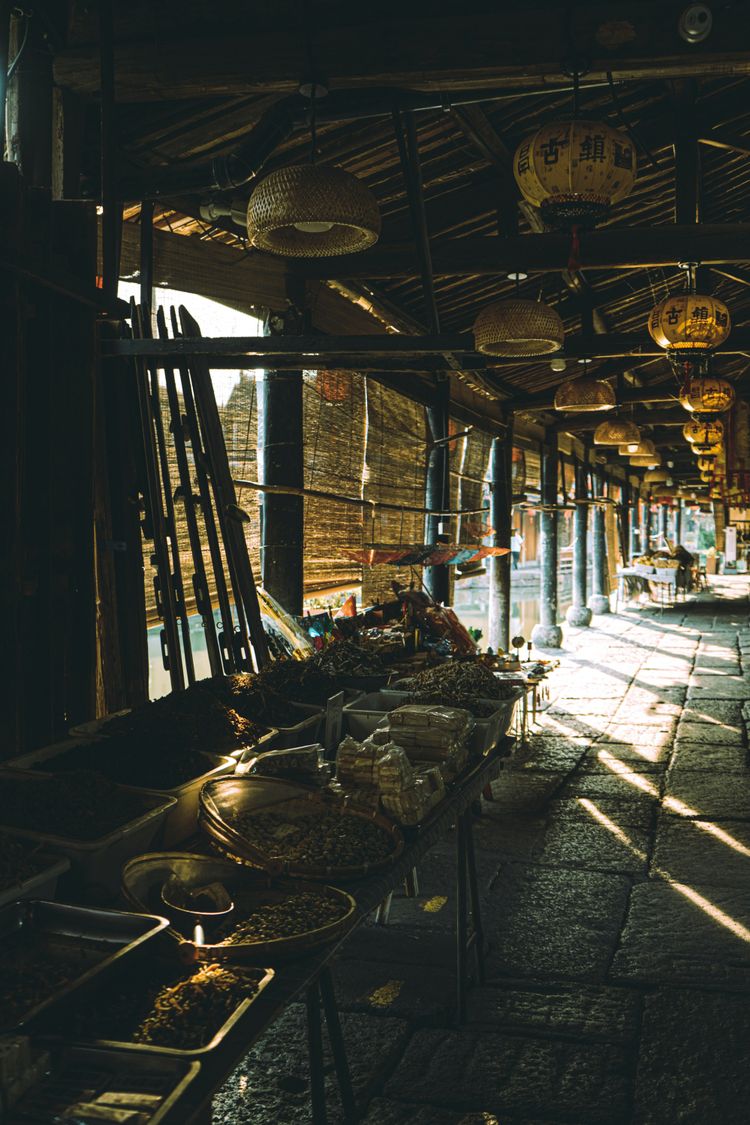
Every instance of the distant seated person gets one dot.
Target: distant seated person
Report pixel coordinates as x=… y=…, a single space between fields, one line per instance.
x=516 y=543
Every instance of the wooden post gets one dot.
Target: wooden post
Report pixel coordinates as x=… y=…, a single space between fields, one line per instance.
x=547 y=633
x=646 y=527
x=678 y=522
x=663 y=526
x=437 y=491
x=579 y=614
x=501 y=510
x=280 y=451
x=599 y=600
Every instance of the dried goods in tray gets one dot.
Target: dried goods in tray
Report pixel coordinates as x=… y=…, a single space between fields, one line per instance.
x=316 y=839
x=18 y=861
x=126 y=763
x=298 y=914
x=194 y=719
x=79 y=806
x=466 y=684
x=161 y=1006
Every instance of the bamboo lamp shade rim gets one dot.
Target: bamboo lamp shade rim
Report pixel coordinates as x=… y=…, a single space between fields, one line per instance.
x=312 y=211
x=646 y=461
x=656 y=476
x=585 y=394
x=518 y=327
x=616 y=431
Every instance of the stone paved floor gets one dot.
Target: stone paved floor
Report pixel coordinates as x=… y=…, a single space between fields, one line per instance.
x=616 y=882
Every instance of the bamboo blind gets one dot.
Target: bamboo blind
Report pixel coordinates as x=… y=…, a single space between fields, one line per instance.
x=334 y=435
x=394 y=472
x=474 y=468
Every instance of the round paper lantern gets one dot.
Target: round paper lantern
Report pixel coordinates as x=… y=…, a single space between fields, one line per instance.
x=574 y=170
x=690 y=322
x=707 y=477
x=616 y=431
x=706 y=464
x=700 y=431
x=707 y=395
x=312 y=211
x=585 y=394
x=517 y=327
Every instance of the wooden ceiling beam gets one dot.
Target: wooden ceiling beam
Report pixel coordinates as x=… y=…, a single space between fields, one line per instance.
x=611 y=248
x=459 y=50
x=319 y=351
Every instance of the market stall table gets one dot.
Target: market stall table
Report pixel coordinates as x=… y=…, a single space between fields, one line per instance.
x=312 y=977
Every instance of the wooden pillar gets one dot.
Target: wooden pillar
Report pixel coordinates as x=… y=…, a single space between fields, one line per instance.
x=280 y=455
x=437 y=490
x=663 y=527
x=646 y=527
x=579 y=614
x=678 y=522
x=599 y=600
x=501 y=509
x=547 y=633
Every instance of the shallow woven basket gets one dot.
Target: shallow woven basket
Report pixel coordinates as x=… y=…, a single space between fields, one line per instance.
x=585 y=394
x=516 y=327
x=616 y=431
x=311 y=193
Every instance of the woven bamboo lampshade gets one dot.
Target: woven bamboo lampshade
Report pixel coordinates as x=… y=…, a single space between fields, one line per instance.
x=662 y=491
x=312 y=211
x=646 y=461
x=574 y=170
x=700 y=431
x=585 y=394
x=707 y=395
x=517 y=327
x=637 y=448
x=616 y=431
x=690 y=322
x=656 y=476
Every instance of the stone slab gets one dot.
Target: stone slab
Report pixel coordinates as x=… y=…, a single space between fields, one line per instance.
x=686 y=933
x=707 y=794
x=706 y=852
x=501 y=1074
x=645 y=759
x=271 y=1084
x=507 y=835
x=555 y=921
x=625 y=812
x=693 y=1059
x=708 y=733
x=589 y=844
x=708 y=756
x=724 y=689
x=609 y=786
x=591 y=1012
x=647 y=734
x=525 y=790
x=416 y=993
x=717 y=712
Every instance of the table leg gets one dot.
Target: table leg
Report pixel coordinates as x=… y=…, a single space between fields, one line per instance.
x=338 y=1048
x=461 y=920
x=383 y=911
x=474 y=901
x=315 y=1051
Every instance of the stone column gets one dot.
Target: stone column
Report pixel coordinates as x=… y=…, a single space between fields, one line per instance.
x=663 y=524
x=579 y=614
x=599 y=600
x=678 y=522
x=501 y=505
x=646 y=527
x=547 y=633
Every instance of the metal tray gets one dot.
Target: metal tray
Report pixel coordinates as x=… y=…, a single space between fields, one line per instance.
x=99 y=938
x=144 y=877
x=82 y=1073
x=261 y=794
x=102 y=994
